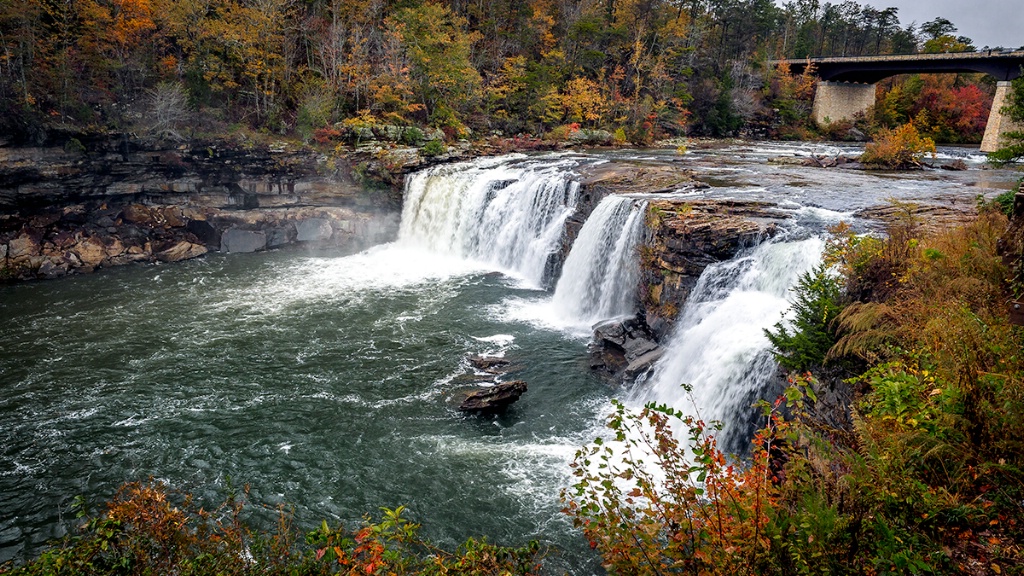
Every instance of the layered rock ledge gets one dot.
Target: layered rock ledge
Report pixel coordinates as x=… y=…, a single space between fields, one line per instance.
x=687 y=236
x=113 y=200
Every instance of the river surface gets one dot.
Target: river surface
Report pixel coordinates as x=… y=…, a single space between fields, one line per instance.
x=329 y=383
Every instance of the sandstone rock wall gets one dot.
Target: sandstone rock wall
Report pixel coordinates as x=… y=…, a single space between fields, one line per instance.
x=684 y=238
x=121 y=169
x=80 y=239
x=122 y=200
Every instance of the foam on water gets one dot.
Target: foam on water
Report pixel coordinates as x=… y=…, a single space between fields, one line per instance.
x=350 y=279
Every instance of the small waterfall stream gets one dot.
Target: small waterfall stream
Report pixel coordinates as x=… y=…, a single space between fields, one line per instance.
x=599 y=279
x=718 y=346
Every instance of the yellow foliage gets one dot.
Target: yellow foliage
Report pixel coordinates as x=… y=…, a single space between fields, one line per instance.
x=583 y=101
x=899 y=148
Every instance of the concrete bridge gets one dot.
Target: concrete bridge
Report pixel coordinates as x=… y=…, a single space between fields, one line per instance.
x=847 y=85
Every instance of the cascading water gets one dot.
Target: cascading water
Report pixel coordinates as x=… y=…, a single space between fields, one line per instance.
x=719 y=347
x=600 y=275
x=505 y=214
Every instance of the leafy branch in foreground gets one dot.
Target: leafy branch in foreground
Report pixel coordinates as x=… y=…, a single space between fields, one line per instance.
x=652 y=505
x=147 y=529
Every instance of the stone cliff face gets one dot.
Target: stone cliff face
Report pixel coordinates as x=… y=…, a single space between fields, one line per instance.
x=114 y=200
x=686 y=237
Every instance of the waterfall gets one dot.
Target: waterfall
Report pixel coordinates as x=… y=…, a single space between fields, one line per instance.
x=718 y=346
x=505 y=213
x=600 y=275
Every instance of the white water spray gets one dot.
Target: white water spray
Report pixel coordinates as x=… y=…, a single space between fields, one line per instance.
x=509 y=215
x=719 y=347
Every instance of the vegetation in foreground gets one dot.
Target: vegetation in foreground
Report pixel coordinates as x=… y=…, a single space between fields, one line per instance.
x=919 y=471
x=147 y=529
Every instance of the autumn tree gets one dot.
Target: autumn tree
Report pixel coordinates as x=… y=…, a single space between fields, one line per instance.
x=130 y=42
x=439 y=46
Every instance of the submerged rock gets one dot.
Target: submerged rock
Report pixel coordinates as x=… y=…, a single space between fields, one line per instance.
x=815 y=161
x=490 y=364
x=494 y=399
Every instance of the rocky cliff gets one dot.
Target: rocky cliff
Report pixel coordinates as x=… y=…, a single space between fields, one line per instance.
x=111 y=200
x=684 y=238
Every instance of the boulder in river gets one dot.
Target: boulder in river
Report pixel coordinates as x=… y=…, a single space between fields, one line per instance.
x=183 y=250
x=623 y=349
x=494 y=399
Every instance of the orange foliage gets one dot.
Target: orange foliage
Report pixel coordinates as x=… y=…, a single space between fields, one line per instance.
x=899 y=148
x=699 y=513
x=131 y=21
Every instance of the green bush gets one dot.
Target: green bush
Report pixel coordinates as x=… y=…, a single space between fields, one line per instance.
x=1004 y=201
x=412 y=136
x=805 y=344
x=74 y=146
x=434 y=148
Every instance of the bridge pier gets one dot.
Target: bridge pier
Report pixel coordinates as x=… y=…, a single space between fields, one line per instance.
x=834 y=101
x=998 y=123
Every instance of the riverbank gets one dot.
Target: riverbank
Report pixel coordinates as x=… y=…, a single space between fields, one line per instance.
x=105 y=200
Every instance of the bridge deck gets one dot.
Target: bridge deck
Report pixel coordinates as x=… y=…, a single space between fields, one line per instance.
x=1004 y=65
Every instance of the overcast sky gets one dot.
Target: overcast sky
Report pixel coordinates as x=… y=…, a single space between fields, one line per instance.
x=988 y=22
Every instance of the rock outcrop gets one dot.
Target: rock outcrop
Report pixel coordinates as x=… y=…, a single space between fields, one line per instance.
x=81 y=238
x=623 y=349
x=687 y=236
x=494 y=399
x=490 y=364
x=127 y=200
x=119 y=169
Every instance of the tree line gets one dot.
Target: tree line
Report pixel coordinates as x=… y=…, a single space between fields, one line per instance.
x=649 y=68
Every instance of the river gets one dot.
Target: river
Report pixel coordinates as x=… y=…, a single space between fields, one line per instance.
x=329 y=383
